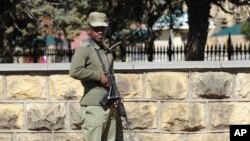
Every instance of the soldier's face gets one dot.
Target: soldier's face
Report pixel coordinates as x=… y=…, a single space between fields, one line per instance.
x=98 y=33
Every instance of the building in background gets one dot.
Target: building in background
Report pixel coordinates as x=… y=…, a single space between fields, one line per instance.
x=179 y=31
x=227 y=23
x=220 y=25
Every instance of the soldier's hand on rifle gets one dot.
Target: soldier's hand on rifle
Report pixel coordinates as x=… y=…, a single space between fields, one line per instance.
x=104 y=80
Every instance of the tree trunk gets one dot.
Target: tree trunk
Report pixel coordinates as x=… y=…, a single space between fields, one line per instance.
x=8 y=49
x=1 y=44
x=150 y=44
x=198 y=15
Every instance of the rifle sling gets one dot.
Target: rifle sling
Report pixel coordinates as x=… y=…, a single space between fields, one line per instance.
x=101 y=61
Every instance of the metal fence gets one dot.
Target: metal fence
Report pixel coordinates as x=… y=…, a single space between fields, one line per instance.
x=139 y=53
x=222 y=52
x=44 y=56
x=164 y=53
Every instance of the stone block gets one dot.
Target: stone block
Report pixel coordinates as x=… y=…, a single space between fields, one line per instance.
x=149 y=136
x=183 y=116
x=33 y=137
x=212 y=85
x=129 y=85
x=208 y=137
x=68 y=137
x=166 y=85
x=6 y=137
x=223 y=114
x=137 y=110
x=243 y=85
x=1 y=87
x=11 y=116
x=26 y=87
x=46 y=116
x=63 y=87
x=75 y=116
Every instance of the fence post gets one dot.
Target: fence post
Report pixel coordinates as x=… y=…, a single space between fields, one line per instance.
x=69 y=50
x=224 y=51
x=229 y=47
x=249 y=51
x=169 y=52
x=245 y=52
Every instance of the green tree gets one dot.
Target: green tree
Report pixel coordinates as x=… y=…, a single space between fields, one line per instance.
x=245 y=29
x=6 y=33
x=125 y=16
x=24 y=21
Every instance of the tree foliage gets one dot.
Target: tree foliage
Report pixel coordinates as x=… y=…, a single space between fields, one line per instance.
x=48 y=15
x=25 y=21
x=245 y=29
x=36 y=18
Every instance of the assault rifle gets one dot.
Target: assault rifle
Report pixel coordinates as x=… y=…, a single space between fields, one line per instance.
x=114 y=94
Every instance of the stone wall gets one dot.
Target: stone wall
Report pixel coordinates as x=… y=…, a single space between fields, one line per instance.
x=194 y=101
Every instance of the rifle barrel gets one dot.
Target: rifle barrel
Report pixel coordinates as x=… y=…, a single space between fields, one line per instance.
x=125 y=38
